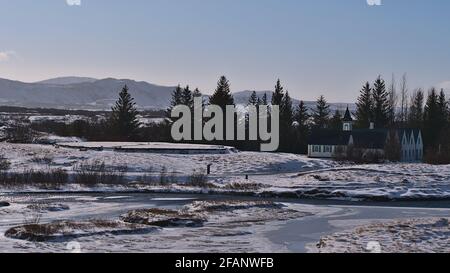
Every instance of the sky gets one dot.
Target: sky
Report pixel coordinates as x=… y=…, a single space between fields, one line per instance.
x=315 y=47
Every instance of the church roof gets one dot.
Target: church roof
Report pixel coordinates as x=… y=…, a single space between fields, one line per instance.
x=329 y=137
x=347 y=116
x=368 y=139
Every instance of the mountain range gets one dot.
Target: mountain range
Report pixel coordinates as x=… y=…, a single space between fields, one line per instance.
x=99 y=94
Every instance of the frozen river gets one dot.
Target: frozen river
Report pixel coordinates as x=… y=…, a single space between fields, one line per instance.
x=295 y=235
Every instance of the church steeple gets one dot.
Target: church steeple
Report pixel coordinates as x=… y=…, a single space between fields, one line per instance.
x=347 y=121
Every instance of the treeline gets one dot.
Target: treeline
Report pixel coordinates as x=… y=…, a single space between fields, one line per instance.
x=385 y=105
x=398 y=107
x=390 y=106
x=121 y=124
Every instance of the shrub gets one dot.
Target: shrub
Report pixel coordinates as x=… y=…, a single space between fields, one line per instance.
x=20 y=133
x=55 y=178
x=97 y=173
x=5 y=164
x=46 y=159
x=198 y=179
x=437 y=156
x=163 y=176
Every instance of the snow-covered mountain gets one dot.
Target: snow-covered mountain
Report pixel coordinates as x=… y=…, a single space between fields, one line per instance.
x=81 y=93
x=94 y=94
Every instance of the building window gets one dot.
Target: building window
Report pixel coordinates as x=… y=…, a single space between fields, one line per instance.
x=316 y=149
x=328 y=149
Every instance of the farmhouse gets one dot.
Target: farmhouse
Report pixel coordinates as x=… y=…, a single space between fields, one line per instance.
x=326 y=143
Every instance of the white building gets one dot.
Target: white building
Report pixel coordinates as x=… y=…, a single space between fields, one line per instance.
x=325 y=143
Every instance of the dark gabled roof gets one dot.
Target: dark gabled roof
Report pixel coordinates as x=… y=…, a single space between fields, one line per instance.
x=370 y=139
x=347 y=116
x=329 y=137
x=362 y=138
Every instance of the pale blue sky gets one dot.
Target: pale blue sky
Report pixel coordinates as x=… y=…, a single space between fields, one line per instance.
x=316 y=47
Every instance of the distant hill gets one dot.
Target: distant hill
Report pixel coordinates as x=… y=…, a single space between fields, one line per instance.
x=243 y=97
x=68 y=80
x=81 y=93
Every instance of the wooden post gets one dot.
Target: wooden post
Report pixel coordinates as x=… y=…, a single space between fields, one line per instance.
x=208 y=172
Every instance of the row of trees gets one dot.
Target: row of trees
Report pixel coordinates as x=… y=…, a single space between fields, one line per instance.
x=295 y=120
x=377 y=103
x=387 y=109
x=387 y=106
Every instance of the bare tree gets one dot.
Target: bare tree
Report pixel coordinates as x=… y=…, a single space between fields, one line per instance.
x=404 y=99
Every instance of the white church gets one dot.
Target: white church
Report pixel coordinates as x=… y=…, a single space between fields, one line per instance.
x=324 y=143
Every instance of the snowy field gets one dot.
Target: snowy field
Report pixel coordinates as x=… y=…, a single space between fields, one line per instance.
x=226 y=226
x=165 y=223
x=422 y=235
x=269 y=174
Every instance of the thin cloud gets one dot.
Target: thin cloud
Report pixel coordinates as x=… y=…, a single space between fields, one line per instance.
x=73 y=2
x=6 y=55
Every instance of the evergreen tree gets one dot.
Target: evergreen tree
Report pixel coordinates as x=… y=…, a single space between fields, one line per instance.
x=264 y=100
x=381 y=104
x=336 y=121
x=415 y=118
x=301 y=116
x=443 y=107
x=286 y=120
x=278 y=94
x=253 y=100
x=364 y=107
x=124 y=116
x=177 y=99
x=432 y=119
x=222 y=95
x=321 y=114
x=286 y=112
x=187 y=98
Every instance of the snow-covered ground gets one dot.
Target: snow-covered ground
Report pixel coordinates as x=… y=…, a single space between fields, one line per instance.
x=227 y=228
x=270 y=174
x=99 y=223
x=422 y=235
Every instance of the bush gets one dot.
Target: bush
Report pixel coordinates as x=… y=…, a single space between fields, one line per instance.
x=97 y=173
x=55 y=178
x=198 y=179
x=46 y=159
x=163 y=176
x=5 y=164
x=358 y=155
x=437 y=156
x=20 y=133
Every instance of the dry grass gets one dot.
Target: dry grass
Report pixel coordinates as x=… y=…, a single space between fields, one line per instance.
x=48 y=178
x=98 y=173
